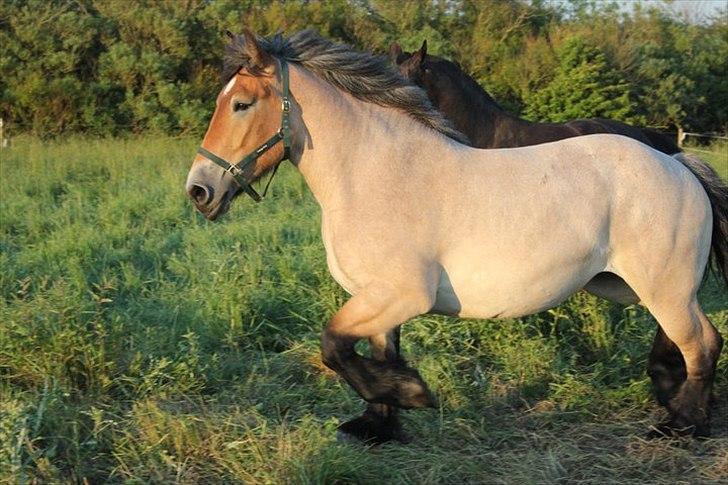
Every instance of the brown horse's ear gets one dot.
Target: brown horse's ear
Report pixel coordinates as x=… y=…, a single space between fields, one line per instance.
x=411 y=67
x=419 y=57
x=259 y=58
x=423 y=50
x=395 y=50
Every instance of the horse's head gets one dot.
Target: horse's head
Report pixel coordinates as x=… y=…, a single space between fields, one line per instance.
x=440 y=78
x=418 y=67
x=238 y=147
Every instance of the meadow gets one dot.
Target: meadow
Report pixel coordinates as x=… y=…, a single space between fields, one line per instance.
x=140 y=343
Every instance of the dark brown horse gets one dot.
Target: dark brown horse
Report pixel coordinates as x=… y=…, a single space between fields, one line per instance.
x=476 y=114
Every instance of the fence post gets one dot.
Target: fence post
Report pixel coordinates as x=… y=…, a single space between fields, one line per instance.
x=680 y=137
x=4 y=142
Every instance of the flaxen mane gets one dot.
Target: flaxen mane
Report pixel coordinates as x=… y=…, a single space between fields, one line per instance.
x=365 y=76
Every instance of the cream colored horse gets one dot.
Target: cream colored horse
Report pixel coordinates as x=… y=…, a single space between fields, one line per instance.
x=416 y=222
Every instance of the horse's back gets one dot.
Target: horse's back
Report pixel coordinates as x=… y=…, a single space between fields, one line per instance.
x=652 y=138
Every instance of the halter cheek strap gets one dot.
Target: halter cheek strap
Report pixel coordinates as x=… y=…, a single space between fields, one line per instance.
x=238 y=170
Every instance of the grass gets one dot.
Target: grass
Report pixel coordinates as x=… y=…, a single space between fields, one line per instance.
x=142 y=344
x=716 y=154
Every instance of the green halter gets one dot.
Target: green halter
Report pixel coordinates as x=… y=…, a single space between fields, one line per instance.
x=237 y=171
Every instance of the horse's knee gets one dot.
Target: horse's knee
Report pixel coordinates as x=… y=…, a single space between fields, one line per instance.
x=334 y=349
x=385 y=346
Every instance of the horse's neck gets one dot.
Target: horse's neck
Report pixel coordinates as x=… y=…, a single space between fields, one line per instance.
x=353 y=146
x=326 y=116
x=480 y=118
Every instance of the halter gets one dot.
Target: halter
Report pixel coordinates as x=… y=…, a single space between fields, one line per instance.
x=237 y=171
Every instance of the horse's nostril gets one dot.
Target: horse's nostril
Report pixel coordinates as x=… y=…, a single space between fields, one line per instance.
x=201 y=195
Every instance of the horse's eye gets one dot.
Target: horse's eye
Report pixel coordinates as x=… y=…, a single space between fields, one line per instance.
x=240 y=106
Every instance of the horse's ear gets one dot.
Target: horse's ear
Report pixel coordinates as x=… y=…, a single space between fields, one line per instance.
x=258 y=56
x=419 y=57
x=395 y=50
x=423 y=49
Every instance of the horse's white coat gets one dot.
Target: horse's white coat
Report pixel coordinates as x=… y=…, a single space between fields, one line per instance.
x=491 y=233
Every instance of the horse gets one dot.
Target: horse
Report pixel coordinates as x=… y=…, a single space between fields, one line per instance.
x=414 y=221
x=476 y=114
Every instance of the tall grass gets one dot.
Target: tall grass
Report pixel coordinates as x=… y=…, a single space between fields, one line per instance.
x=140 y=343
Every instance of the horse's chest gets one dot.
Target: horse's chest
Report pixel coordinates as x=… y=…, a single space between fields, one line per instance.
x=340 y=266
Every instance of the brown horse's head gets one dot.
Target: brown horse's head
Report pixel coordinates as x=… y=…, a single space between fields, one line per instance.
x=445 y=83
x=417 y=67
x=247 y=113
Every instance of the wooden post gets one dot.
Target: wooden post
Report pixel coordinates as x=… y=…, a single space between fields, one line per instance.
x=3 y=140
x=680 y=137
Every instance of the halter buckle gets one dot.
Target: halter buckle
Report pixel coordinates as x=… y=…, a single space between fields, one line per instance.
x=286 y=105
x=234 y=170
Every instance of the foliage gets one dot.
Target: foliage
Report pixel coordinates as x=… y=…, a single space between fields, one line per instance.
x=111 y=66
x=142 y=344
x=583 y=86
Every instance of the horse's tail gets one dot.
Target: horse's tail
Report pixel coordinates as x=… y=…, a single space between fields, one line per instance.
x=717 y=191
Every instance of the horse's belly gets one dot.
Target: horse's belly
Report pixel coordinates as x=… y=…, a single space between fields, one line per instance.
x=488 y=293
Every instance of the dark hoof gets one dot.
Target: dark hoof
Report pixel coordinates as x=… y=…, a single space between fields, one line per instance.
x=372 y=429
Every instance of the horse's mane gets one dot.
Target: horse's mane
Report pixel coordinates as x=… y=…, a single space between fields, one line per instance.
x=467 y=83
x=365 y=76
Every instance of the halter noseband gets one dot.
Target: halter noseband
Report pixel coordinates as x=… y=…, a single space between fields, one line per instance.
x=237 y=171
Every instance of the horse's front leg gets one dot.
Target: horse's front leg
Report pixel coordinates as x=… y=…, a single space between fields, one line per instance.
x=380 y=422
x=371 y=314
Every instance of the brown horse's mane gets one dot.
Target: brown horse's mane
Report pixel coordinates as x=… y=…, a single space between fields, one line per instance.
x=467 y=83
x=365 y=76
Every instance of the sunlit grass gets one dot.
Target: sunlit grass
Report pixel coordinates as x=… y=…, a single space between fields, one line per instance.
x=140 y=343
x=716 y=154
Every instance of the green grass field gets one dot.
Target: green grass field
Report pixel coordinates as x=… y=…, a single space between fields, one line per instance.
x=141 y=344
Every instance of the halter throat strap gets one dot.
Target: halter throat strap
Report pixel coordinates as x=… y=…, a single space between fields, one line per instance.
x=238 y=170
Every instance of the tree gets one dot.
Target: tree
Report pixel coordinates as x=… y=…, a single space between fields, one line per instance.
x=47 y=64
x=583 y=86
x=110 y=66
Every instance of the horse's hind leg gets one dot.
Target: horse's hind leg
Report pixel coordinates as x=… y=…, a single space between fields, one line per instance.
x=373 y=312
x=666 y=365
x=380 y=422
x=700 y=344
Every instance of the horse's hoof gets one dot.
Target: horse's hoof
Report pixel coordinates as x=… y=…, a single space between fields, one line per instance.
x=372 y=429
x=343 y=437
